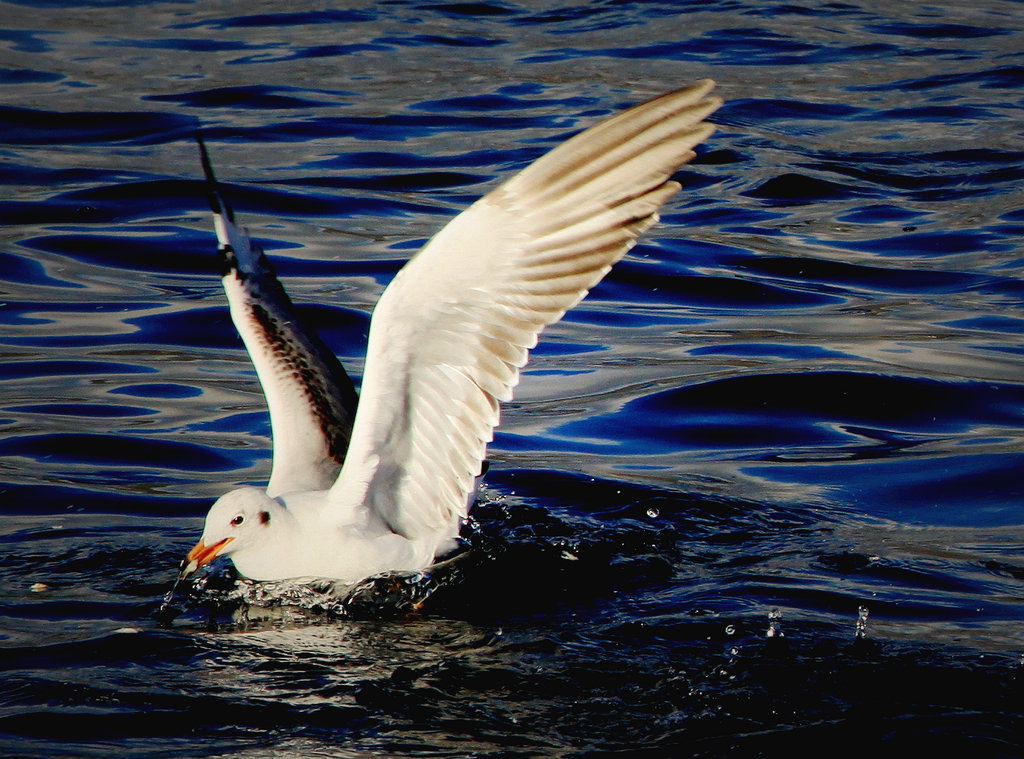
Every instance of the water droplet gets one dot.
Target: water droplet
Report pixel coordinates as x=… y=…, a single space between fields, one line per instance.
x=862 y=622
x=653 y=513
x=774 y=624
x=730 y=630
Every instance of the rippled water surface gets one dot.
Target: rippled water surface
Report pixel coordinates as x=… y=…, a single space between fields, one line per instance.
x=799 y=397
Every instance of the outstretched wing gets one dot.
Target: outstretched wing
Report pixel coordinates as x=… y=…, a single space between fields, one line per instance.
x=311 y=399
x=452 y=330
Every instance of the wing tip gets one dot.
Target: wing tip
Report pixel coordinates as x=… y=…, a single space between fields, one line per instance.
x=213 y=196
x=237 y=252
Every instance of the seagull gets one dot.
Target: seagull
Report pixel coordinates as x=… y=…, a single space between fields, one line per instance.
x=382 y=484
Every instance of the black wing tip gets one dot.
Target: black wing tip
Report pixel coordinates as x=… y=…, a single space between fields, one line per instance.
x=217 y=204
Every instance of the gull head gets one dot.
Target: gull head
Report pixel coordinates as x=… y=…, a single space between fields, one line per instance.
x=238 y=522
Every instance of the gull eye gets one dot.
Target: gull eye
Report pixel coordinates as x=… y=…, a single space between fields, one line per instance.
x=237 y=520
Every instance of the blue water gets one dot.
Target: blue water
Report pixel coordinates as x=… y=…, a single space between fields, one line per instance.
x=799 y=396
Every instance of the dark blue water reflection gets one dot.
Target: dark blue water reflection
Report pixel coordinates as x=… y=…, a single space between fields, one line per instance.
x=799 y=397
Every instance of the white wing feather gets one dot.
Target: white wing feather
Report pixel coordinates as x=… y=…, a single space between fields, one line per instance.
x=452 y=330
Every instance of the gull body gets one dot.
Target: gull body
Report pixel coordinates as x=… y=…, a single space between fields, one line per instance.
x=382 y=483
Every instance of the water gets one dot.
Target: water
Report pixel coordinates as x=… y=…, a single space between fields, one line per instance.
x=797 y=406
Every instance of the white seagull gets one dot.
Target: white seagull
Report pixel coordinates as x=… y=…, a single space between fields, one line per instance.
x=385 y=488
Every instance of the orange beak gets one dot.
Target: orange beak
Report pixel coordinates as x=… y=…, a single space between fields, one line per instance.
x=201 y=555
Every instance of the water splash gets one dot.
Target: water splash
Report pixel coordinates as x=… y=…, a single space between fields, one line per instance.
x=774 y=624
x=167 y=612
x=243 y=600
x=862 y=623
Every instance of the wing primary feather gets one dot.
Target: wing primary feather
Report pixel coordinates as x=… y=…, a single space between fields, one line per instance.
x=217 y=204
